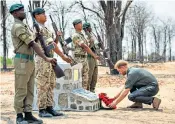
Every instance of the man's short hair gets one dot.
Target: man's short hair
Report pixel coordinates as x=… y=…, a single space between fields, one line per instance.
x=120 y=63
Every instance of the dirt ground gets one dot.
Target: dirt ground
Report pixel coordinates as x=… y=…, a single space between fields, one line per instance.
x=165 y=72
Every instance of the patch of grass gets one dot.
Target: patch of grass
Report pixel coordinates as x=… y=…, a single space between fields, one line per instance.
x=9 y=61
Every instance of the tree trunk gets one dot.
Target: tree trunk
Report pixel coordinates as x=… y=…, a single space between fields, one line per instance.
x=139 y=46
x=146 y=53
x=169 y=38
x=110 y=29
x=3 y=5
x=165 y=44
x=142 y=56
x=114 y=27
x=135 y=50
x=132 y=50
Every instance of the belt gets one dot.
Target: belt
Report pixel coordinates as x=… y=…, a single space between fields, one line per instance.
x=81 y=56
x=89 y=56
x=24 y=56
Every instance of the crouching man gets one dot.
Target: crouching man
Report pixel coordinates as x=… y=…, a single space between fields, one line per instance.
x=141 y=84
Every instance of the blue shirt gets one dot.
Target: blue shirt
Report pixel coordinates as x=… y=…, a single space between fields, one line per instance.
x=139 y=77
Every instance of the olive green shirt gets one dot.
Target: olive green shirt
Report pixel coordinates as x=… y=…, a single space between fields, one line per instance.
x=21 y=37
x=78 y=36
x=90 y=39
x=139 y=77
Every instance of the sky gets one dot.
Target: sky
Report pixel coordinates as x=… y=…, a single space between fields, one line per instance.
x=162 y=8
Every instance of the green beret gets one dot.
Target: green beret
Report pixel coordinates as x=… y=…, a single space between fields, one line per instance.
x=86 y=25
x=77 y=21
x=38 y=11
x=16 y=7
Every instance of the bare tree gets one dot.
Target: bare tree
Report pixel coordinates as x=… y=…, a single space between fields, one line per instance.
x=157 y=36
x=133 y=37
x=165 y=38
x=60 y=12
x=114 y=29
x=171 y=34
x=37 y=3
x=162 y=32
x=114 y=20
x=4 y=13
x=138 y=21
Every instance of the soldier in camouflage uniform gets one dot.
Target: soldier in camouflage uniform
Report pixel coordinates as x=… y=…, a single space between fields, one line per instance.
x=23 y=42
x=45 y=75
x=93 y=67
x=81 y=50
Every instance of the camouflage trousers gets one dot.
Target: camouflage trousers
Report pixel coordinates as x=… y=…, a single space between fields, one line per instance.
x=85 y=70
x=93 y=72
x=45 y=78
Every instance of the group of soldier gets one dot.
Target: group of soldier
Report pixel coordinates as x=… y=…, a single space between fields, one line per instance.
x=141 y=84
x=26 y=44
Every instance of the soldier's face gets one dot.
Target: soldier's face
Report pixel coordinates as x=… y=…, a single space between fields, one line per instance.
x=41 y=18
x=79 y=26
x=89 y=29
x=20 y=14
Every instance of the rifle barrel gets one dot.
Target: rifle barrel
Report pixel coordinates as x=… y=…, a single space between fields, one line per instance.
x=51 y=18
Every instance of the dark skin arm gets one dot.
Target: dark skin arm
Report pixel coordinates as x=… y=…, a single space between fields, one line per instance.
x=41 y=54
x=58 y=52
x=88 y=50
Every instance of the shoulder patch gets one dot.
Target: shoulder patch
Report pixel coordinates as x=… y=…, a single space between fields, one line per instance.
x=24 y=36
x=17 y=25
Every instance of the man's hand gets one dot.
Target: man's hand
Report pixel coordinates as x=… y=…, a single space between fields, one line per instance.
x=91 y=40
x=59 y=33
x=113 y=104
x=96 y=57
x=67 y=59
x=122 y=95
x=53 y=61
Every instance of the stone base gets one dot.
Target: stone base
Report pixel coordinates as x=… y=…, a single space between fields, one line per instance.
x=80 y=100
x=69 y=94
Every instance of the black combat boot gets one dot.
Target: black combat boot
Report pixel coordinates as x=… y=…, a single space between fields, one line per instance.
x=31 y=119
x=50 y=110
x=20 y=119
x=44 y=113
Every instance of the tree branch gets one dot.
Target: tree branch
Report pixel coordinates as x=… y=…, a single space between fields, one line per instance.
x=123 y=18
x=44 y=3
x=90 y=10
x=126 y=7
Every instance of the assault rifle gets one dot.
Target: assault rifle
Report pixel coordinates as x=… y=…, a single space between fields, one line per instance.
x=58 y=71
x=101 y=45
x=63 y=44
x=94 y=48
